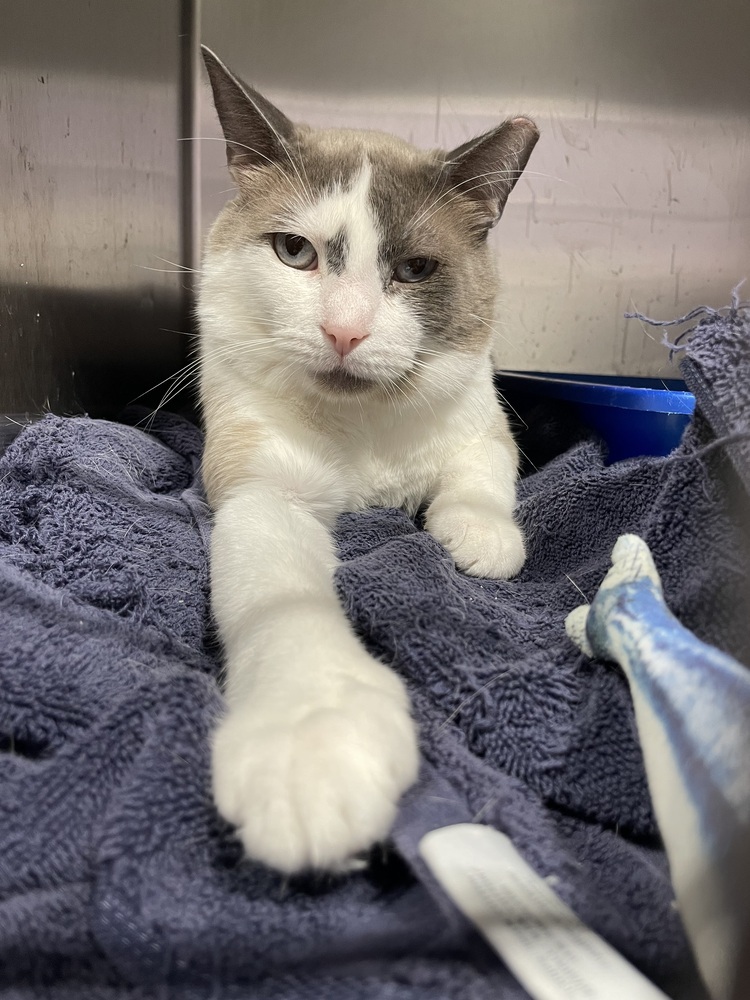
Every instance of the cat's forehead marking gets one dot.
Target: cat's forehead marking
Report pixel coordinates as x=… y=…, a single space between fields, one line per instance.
x=335 y=252
x=340 y=220
x=360 y=183
x=396 y=177
x=401 y=180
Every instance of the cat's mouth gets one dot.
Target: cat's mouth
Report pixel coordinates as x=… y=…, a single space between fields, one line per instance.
x=341 y=381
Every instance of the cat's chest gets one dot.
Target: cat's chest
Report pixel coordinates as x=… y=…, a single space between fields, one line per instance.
x=397 y=472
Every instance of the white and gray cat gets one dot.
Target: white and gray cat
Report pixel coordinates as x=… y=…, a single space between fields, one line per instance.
x=344 y=305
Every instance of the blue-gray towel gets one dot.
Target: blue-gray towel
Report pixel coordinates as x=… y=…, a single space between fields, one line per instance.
x=117 y=878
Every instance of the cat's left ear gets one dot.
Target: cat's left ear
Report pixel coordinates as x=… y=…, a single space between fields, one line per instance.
x=256 y=132
x=487 y=168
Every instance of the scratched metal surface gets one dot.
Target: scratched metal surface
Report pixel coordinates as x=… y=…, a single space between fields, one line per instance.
x=639 y=191
x=89 y=198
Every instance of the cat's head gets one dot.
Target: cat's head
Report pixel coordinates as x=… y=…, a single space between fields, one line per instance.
x=351 y=262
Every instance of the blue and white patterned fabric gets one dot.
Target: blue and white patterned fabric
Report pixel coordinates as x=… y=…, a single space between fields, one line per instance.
x=692 y=709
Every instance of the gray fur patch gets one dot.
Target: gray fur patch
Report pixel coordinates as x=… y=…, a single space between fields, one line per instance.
x=420 y=215
x=336 y=251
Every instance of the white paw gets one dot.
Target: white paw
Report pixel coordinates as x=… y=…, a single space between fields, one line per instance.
x=310 y=784
x=483 y=541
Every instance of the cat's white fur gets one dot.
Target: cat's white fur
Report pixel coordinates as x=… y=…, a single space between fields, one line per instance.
x=318 y=745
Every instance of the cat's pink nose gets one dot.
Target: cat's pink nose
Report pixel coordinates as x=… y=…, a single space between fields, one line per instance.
x=344 y=338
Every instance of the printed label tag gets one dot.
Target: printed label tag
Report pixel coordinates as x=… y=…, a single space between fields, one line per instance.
x=547 y=948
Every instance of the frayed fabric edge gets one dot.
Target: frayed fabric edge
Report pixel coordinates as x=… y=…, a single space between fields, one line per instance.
x=704 y=315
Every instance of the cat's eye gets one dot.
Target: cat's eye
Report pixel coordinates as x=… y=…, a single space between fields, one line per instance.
x=414 y=269
x=295 y=251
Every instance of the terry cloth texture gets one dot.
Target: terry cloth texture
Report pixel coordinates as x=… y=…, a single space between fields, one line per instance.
x=117 y=878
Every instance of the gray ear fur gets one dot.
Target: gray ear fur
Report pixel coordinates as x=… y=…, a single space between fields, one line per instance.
x=256 y=132
x=487 y=168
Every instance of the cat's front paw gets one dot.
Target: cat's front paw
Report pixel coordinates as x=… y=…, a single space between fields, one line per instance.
x=310 y=785
x=483 y=541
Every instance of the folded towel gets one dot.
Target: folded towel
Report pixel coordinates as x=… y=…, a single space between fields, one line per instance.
x=117 y=877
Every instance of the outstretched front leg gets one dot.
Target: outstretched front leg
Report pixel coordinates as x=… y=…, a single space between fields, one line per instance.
x=317 y=744
x=472 y=510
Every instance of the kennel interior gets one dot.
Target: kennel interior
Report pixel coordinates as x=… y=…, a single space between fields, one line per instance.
x=112 y=167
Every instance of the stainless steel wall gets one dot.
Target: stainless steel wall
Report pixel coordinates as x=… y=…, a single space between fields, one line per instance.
x=638 y=194
x=91 y=182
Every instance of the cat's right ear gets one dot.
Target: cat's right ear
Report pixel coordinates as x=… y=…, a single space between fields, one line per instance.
x=256 y=132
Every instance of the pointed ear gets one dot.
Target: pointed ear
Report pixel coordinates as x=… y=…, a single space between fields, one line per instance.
x=255 y=130
x=487 y=168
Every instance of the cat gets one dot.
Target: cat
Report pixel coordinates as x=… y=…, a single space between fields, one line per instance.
x=344 y=303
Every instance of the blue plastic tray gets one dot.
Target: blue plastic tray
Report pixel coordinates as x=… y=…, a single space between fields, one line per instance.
x=634 y=416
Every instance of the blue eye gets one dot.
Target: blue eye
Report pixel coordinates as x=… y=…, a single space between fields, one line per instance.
x=295 y=251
